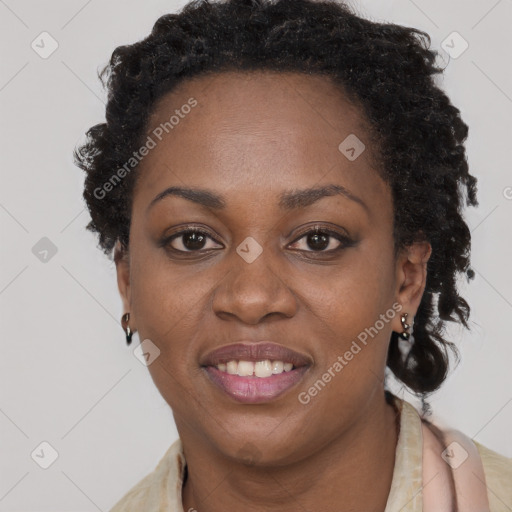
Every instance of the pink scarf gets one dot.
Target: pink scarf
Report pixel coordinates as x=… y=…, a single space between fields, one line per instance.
x=453 y=474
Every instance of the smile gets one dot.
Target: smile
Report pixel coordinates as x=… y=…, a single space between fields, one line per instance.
x=251 y=388
x=253 y=373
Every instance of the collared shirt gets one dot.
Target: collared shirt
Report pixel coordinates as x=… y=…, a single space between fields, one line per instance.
x=161 y=490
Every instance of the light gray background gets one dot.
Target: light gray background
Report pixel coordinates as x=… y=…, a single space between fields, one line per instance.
x=67 y=376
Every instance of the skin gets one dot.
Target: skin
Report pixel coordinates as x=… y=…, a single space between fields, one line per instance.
x=250 y=138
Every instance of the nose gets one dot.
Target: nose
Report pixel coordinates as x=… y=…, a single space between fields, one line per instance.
x=253 y=291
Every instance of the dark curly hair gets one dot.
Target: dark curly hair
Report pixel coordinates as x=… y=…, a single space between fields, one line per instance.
x=386 y=69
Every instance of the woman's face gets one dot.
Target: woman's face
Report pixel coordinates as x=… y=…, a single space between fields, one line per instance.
x=254 y=274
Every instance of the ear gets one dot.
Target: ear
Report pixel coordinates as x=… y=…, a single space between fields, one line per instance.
x=411 y=278
x=122 y=261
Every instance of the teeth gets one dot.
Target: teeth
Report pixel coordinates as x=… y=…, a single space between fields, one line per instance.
x=231 y=367
x=245 y=368
x=277 y=366
x=261 y=369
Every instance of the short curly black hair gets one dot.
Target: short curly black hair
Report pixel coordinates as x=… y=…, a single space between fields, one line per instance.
x=388 y=70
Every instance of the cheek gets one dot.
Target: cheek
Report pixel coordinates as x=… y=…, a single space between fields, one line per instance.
x=350 y=296
x=169 y=310
x=347 y=309
x=170 y=307
x=167 y=298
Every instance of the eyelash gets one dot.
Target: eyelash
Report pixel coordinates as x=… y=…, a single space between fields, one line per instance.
x=344 y=240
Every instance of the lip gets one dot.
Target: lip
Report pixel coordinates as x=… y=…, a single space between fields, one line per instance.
x=255 y=390
x=252 y=389
x=250 y=351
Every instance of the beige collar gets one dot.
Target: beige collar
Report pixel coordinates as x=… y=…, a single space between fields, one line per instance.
x=406 y=486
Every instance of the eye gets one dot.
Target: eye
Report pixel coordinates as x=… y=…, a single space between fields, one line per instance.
x=321 y=239
x=189 y=240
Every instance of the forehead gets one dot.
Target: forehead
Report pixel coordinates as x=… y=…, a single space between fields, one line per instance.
x=234 y=91
x=257 y=131
x=293 y=105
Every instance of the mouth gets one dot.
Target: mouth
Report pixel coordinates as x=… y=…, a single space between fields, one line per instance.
x=255 y=372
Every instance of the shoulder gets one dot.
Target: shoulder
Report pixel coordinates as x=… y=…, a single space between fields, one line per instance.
x=158 y=489
x=477 y=472
x=498 y=478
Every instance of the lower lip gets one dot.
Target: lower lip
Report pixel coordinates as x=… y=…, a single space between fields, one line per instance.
x=255 y=390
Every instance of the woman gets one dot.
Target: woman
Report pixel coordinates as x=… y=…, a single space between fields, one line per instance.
x=282 y=186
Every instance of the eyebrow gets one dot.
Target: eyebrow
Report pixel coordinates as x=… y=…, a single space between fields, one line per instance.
x=288 y=200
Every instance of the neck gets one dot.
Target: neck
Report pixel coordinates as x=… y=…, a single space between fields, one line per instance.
x=352 y=472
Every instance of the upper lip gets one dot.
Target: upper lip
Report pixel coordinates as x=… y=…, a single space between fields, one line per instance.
x=250 y=351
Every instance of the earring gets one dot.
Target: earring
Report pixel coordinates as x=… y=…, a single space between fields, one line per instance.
x=405 y=339
x=124 y=322
x=405 y=335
